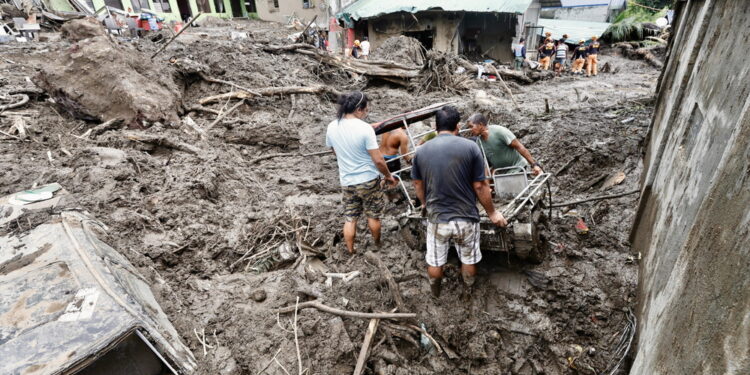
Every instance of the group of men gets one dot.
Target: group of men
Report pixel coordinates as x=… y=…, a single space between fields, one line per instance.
x=555 y=54
x=448 y=172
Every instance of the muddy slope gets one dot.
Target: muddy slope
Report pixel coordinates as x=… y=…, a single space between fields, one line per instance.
x=207 y=221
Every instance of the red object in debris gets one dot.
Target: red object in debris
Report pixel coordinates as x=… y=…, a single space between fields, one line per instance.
x=177 y=27
x=581 y=227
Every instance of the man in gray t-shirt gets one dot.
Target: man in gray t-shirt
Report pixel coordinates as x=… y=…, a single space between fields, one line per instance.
x=448 y=174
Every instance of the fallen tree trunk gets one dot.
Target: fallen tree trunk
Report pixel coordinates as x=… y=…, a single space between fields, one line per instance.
x=270 y=91
x=633 y=52
x=382 y=69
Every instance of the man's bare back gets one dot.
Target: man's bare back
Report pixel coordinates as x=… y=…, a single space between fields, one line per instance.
x=394 y=142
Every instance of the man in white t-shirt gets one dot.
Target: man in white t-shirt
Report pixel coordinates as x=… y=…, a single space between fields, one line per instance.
x=365 y=46
x=360 y=165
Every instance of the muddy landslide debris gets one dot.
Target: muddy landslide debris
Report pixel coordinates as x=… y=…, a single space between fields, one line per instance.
x=95 y=79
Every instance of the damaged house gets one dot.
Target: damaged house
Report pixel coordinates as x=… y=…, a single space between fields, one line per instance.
x=478 y=29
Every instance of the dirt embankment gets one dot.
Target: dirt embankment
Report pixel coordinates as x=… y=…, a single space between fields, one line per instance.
x=195 y=208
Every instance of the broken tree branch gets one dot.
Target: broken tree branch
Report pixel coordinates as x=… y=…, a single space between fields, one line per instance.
x=296 y=339
x=364 y=352
x=494 y=70
x=200 y=108
x=24 y=99
x=351 y=314
x=224 y=114
x=386 y=273
x=161 y=141
x=270 y=91
x=612 y=196
x=302 y=34
x=10 y=135
x=216 y=80
x=107 y=125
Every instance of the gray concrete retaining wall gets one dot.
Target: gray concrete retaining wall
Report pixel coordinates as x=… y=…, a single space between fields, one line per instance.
x=693 y=222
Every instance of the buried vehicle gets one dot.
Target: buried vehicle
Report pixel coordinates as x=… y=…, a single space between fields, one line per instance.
x=519 y=195
x=71 y=304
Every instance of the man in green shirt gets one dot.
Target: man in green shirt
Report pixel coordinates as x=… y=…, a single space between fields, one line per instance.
x=501 y=146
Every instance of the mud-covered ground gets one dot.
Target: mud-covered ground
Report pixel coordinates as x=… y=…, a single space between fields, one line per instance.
x=196 y=214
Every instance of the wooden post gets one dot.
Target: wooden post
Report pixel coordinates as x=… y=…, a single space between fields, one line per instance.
x=363 y=353
x=176 y=35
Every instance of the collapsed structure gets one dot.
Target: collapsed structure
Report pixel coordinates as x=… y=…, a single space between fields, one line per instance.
x=476 y=28
x=73 y=304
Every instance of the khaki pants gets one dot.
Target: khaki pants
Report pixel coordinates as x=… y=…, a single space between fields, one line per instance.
x=544 y=61
x=578 y=65
x=592 y=65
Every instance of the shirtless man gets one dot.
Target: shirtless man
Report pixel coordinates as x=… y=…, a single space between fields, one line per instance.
x=393 y=144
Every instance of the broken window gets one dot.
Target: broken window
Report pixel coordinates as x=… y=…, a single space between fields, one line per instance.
x=219 y=6
x=305 y=4
x=203 y=6
x=162 y=6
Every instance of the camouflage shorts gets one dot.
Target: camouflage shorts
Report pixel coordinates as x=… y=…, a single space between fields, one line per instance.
x=367 y=197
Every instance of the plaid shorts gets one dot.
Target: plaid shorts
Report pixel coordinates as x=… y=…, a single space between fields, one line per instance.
x=367 y=197
x=462 y=234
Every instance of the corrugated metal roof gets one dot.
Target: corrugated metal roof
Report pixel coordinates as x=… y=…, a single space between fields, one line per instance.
x=576 y=30
x=363 y=9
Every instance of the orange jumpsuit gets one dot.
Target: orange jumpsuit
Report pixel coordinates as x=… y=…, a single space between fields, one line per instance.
x=546 y=51
x=580 y=54
x=593 y=61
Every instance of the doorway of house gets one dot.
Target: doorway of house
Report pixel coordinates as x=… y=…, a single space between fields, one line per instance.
x=250 y=6
x=184 y=7
x=236 y=7
x=426 y=37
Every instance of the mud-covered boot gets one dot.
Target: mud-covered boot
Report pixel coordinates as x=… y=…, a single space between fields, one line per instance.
x=436 y=285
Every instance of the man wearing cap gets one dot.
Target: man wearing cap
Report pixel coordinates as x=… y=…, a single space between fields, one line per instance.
x=592 y=58
x=546 y=51
x=579 y=57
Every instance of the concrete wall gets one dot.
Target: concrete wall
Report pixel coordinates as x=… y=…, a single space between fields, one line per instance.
x=693 y=222
x=443 y=25
x=580 y=13
x=267 y=11
x=451 y=30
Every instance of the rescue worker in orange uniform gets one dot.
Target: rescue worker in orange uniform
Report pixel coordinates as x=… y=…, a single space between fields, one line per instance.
x=546 y=51
x=592 y=59
x=580 y=53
